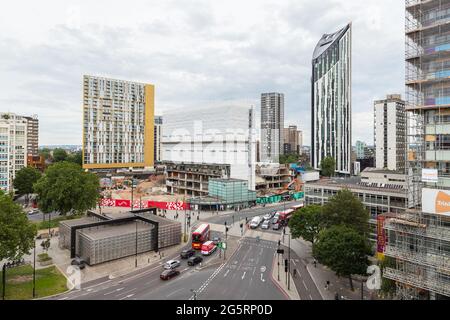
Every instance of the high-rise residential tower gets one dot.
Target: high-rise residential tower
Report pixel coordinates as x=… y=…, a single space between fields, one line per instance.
x=419 y=241
x=272 y=125
x=118 y=124
x=13 y=148
x=33 y=135
x=331 y=105
x=390 y=133
x=293 y=140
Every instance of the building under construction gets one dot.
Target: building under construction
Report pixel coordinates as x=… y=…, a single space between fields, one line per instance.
x=419 y=240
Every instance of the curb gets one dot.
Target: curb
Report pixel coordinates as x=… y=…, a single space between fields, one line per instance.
x=276 y=282
x=57 y=294
x=315 y=283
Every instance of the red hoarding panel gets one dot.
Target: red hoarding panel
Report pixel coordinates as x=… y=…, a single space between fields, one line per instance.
x=180 y=205
x=381 y=238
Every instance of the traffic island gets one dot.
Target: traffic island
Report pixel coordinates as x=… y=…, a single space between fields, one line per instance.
x=292 y=292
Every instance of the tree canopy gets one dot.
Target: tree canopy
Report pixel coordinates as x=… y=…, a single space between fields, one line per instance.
x=25 y=179
x=345 y=209
x=17 y=234
x=76 y=157
x=288 y=158
x=343 y=250
x=328 y=166
x=45 y=153
x=65 y=187
x=307 y=223
x=59 y=155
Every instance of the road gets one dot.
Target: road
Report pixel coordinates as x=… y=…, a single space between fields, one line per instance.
x=38 y=216
x=145 y=283
x=245 y=276
x=249 y=213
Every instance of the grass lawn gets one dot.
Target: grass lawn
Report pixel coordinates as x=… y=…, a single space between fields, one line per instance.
x=54 y=222
x=19 y=282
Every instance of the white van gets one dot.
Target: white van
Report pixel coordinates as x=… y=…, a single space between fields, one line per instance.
x=255 y=222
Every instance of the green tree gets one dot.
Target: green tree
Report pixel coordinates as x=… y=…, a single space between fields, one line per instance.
x=343 y=250
x=65 y=187
x=76 y=157
x=345 y=209
x=288 y=158
x=45 y=153
x=387 y=285
x=328 y=166
x=307 y=223
x=59 y=155
x=17 y=234
x=25 y=179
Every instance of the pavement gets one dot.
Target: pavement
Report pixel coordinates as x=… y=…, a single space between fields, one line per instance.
x=319 y=274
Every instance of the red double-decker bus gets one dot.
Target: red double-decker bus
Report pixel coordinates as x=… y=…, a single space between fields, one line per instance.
x=200 y=235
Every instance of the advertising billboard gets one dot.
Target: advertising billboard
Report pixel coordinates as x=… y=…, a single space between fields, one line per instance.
x=430 y=175
x=381 y=236
x=436 y=201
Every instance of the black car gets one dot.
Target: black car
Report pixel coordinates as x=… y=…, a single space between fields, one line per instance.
x=167 y=274
x=192 y=261
x=186 y=253
x=79 y=262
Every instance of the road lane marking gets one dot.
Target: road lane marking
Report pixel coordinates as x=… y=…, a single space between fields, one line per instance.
x=262 y=278
x=226 y=273
x=305 y=284
x=126 y=297
x=243 y=276
x=310 y=297
x=172 y=293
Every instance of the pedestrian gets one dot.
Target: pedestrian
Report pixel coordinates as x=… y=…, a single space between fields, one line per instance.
x=295 y=273
x=327 y=286
x=315 y=263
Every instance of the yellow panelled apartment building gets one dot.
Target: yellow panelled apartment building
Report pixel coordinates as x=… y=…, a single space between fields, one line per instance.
x=118 y=124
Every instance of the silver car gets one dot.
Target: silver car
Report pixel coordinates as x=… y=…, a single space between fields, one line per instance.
x=266 y=224
x=171 y=264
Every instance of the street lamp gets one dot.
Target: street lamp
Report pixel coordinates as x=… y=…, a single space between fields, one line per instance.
x=132 y=193
x=135 y=260
x=34 y=270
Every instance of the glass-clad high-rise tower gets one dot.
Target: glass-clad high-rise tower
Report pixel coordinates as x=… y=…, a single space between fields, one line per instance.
x=331 y=103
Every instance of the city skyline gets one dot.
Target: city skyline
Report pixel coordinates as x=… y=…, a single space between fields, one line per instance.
x=196 y=67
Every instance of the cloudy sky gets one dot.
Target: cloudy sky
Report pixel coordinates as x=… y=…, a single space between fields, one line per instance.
x=196 y=52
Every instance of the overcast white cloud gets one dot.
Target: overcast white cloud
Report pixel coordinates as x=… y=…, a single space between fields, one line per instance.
x=196 y=52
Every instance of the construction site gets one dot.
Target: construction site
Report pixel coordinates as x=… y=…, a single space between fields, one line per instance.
x=418 y=241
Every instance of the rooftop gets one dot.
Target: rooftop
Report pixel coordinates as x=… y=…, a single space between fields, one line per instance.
x=355 y=183
x=103 y=232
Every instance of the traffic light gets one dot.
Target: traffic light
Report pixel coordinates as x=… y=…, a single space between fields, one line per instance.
x=286 y=262
x=225 y=223
x=279 y=242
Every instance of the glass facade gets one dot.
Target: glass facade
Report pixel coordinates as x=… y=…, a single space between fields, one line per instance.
x=331 y=100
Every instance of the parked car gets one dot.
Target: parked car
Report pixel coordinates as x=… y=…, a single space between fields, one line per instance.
x=79 y=262
x=208 y=248
x=266 y=224
x=192 y=261
x=168 y=274
x=267 y=216
x=275 y=220
x=216 y=240
x=256 y=221
x=34 y=211
x=276 y=226
x=171 y=264
x=186 y=253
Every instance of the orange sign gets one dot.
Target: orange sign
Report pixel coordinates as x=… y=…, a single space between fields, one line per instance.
x=442 y=202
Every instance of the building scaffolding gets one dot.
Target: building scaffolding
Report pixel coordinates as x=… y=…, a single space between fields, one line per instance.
x=420 y=242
